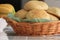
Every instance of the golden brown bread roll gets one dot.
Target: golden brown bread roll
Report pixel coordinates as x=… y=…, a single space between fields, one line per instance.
x=7 y=5
x=54 y=10
x=7 y=8
x=40 y=14
x=21 y=13
x=35 y=5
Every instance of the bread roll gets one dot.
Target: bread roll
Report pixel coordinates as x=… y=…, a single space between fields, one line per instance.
x=6 y=8
x=21 y=13
x=54 y=10
x=36 y=5
x=40 y=14
x=53 y=18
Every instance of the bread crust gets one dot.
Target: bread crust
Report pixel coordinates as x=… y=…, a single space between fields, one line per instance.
x=35 y=5
x=54 y=11
x=21 y=13
x=40 y=14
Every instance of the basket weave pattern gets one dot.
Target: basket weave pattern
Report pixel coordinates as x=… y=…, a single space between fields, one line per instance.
x=32 y=29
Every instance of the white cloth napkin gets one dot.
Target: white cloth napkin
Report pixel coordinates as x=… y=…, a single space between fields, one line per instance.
x=3 y=24
x=3 y=36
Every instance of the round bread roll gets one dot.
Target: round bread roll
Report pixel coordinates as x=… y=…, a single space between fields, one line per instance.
x=5 y=9
x=53 y=18
x=40 y=14
x=54 y=10
x=36 y=5
x=7 y=6
x=21 y=13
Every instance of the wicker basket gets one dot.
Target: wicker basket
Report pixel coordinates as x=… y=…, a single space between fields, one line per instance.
x=35 y=29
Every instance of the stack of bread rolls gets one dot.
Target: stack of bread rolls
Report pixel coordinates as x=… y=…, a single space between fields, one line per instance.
x=40 y=10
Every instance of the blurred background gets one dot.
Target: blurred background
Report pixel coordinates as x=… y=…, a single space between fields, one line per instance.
x=18 y=4
x=15 y=3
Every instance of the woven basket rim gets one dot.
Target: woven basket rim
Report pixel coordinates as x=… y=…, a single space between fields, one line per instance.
x=9 y=19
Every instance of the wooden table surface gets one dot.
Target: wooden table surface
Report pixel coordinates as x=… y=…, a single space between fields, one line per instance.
x=34 y=38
